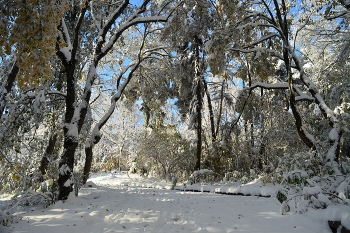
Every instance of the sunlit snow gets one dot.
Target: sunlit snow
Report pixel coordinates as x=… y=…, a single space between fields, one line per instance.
x=116 y=203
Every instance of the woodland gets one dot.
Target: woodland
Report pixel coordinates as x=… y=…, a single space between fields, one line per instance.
x=181 y=90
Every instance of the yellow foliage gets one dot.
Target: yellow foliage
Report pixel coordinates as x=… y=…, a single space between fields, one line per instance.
x=15 y=177
x=49 y=182
x=30 y=29
x=18 y=167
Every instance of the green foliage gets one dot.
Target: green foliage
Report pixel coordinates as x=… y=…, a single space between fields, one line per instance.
x=281 y=197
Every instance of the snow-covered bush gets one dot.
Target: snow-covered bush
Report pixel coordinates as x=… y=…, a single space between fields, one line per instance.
x=31 y=198
x=164 y=153
x=6 y=218
x=218 y=157
x=203 y=176
x=309 y=183
x=9 y=209
x=232 y=176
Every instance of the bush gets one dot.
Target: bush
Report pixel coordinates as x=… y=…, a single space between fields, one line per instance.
x=202 y=176
x=310 y=184
x=164 y=153
x=8 y=210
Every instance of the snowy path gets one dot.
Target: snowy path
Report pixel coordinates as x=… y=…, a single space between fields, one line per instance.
x=131 y=209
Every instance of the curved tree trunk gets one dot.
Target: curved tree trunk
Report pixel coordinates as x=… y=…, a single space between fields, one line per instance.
x=95 y=135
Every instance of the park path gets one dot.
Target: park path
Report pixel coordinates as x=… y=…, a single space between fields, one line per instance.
x=118 y=208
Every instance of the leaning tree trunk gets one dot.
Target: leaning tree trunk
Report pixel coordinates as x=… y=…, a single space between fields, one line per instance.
x=8 y=86
x=287 y=58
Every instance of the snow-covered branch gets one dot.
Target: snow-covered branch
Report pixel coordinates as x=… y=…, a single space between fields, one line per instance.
x=54 y=92
x=127 y=25
x=269 y=85
x=301 y=95
x=264 y=38
x=271 y=52
x=111 y=20
x=66 y=49
x=326 y=111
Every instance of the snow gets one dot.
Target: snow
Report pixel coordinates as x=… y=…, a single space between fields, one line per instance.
x=208 y=45
x=68 y=183
x=342 y=189
x=339 y=213
x=116 y=203
x=64 y=169
x=333 y=134
x=67 y=52
x=72 y=131
x=312 y=190
x=270 y=86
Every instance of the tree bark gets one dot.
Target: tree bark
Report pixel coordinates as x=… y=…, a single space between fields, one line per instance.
x=8 y=86
x=75 y=113
x=66 y=163
x=44 y=163
x=94 y=139
x=211 y=112
x=198 y=106
x=88 y=162
x=220 y=108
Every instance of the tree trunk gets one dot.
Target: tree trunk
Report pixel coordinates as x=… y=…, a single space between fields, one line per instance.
x=282 y=19
x=220 y=108
x=298 y=120
x=44 y=163
x=88 y=162
x=95 y=135
x=8 y=86
x=66 y=164
x=76 y=111
x=211 y=113
x=199 y=128
x=65 y=179
x=198 y=106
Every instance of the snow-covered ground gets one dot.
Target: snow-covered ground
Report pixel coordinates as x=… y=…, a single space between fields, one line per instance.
x=118 y=203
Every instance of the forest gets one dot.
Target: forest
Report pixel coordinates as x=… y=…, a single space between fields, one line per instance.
x=180 y=90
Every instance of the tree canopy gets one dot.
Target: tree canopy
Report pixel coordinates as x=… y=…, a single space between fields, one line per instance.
x=253 y=88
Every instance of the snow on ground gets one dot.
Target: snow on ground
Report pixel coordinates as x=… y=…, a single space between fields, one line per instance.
x=117 y=203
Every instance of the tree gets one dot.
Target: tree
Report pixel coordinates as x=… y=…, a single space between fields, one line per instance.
x=82 y=33
x=110 y=21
